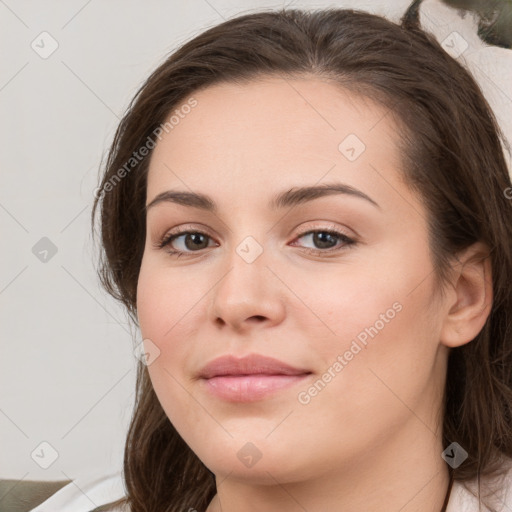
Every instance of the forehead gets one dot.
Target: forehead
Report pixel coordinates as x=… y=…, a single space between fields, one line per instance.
x=274 y=130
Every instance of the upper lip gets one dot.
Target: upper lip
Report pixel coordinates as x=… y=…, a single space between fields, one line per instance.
x=248 y=365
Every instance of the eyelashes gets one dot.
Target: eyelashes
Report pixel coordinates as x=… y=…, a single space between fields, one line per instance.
x=328 y=236
x=166 y=242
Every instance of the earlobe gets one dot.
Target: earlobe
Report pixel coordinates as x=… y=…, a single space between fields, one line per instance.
x=472 y=299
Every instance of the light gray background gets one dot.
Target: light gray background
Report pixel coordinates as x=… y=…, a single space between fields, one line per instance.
x=67 y=371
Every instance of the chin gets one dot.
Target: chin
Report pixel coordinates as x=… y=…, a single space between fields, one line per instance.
x=266 y=468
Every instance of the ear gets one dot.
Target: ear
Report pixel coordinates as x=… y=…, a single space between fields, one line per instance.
x=469 y=303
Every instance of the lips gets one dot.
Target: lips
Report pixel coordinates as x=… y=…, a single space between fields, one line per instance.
x=253 y=364
x=252 y=378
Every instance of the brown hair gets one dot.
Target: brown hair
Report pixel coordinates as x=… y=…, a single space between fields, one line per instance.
x=452 y=154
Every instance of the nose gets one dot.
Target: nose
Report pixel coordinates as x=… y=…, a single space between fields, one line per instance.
x=247 y=295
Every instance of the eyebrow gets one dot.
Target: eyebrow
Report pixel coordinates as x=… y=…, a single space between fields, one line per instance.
x=292 y=197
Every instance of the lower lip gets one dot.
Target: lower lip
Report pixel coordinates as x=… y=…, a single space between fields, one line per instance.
x=249 y=388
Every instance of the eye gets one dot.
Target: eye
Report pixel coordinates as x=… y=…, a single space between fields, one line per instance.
x=195 y=241
x=192 y=241
x=325 y=240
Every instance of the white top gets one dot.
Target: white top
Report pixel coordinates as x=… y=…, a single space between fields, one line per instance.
x=85 y=494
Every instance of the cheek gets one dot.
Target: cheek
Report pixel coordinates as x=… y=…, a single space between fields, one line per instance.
x=168 y=301
x=377 y=369
x=372 y=328
x=345 y=303
x=169 y=315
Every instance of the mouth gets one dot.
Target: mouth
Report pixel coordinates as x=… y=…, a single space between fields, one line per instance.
x=250 y=388
x=250 y=378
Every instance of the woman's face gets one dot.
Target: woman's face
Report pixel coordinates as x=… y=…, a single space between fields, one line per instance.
x=358 y=315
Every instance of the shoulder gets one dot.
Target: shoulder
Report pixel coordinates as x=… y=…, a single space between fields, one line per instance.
x=84 y=494
x=496 y=494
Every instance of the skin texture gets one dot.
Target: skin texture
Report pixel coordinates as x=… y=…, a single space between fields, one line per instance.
x=372 y=435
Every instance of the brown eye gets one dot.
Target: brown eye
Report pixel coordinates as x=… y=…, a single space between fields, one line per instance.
x=192 y=241
x=326 y=240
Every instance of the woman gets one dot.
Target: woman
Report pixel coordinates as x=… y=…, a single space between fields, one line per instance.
x=342 y=338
